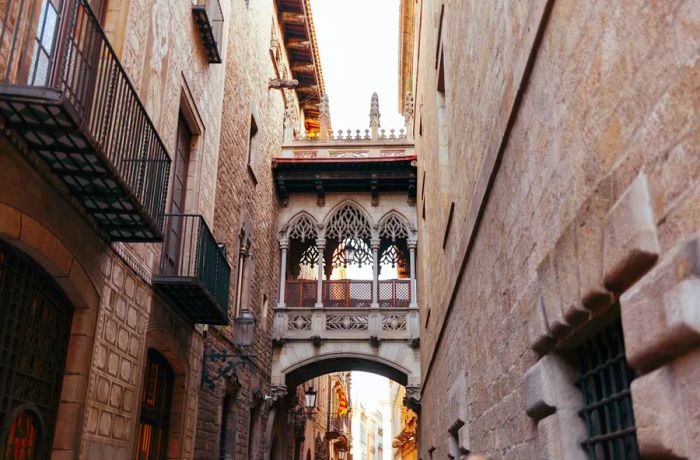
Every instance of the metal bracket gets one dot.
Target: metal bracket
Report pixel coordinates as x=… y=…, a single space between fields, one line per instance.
x=229 y=363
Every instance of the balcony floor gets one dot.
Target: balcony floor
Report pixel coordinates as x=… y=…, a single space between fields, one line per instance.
x=190 y=297
x=50 y=126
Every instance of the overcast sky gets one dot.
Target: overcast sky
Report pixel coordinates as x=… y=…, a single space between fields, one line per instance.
x=358 y=42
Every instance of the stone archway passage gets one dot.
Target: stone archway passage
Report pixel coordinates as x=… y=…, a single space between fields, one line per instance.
x=35 y=320
x=340 y=364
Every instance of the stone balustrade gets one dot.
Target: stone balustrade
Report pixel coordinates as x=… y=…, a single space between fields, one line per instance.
x=349 y=135
x=394 y=324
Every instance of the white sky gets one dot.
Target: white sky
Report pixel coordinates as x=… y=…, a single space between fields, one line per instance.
x=358 y=42
x=372 y=391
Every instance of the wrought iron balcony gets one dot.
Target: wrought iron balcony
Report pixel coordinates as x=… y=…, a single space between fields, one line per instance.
x=64 y=91
x=337 y=425
x=194 y=274
x=210 y=23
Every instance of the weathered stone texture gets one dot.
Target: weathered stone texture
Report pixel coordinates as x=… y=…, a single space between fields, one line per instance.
x=246 y=200
x=599 y=164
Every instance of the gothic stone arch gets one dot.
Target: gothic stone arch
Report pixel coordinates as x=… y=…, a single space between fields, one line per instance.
x=299 y=361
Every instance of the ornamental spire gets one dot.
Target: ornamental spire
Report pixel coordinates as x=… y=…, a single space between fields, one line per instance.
x=374 y=116
x=324 y=116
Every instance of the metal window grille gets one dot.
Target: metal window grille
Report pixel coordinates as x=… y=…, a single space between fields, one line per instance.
x=605 y=385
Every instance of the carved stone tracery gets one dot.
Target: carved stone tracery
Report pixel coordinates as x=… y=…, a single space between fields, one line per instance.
x=348 y=222
x=346 y=322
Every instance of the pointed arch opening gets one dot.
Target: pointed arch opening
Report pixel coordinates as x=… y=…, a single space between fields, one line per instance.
x=394 y=277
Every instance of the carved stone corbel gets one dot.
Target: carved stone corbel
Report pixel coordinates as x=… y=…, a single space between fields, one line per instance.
x=412 y=398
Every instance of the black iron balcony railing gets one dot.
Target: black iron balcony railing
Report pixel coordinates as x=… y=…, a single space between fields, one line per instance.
x=194 y=273
x=338 y=427
x=64 y=91
x=210 y=22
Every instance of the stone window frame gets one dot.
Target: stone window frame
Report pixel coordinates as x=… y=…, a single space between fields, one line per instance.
x=254 y=146
x=615 y=260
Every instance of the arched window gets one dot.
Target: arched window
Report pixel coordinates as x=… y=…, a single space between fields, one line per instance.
x=303 y=253
x=393 y=235
x=348 y=236
x=22 y=441
x=394 y=261
x=155 y=408
x=35 y=320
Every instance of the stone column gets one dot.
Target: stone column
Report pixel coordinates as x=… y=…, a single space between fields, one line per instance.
x=412 y=250
x=284 y=245
x=375 y=272
x=321 y=246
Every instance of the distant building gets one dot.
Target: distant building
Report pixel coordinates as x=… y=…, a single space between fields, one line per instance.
x=404 y=425
x=371 y=428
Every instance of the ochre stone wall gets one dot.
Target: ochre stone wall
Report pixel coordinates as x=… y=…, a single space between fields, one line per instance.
x=573 y=165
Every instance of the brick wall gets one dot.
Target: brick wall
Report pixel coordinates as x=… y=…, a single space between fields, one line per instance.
x=246 y=200
x=539 y=131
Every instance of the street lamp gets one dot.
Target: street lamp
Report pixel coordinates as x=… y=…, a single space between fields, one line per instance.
x=244 y=328
x=310 y=399
x=349 y=252
x=342 y=451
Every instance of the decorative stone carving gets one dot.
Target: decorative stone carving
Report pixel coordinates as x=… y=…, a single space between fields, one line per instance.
x=350 y=154
x=346 y=322
x=394 y=323
x=412 y=398
x=299 y=323
x=324 y=116
x=277 y=394
x=279 y=83
x=348 y=222
x=392 y=153
x=393 y=228
x=374 y=115
x=303 y=228
x=305 y=154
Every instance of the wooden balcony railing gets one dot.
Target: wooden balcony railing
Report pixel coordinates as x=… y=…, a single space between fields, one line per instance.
x=64 y=91
x=347 y=293
x=210 y=22
x=300 y=293
x=395 y=293
x=194 y=273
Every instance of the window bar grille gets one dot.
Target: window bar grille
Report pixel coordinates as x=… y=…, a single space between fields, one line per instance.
x=605 y=385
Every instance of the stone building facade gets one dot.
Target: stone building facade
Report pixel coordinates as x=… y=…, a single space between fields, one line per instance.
x=558 y=217
x=137 y=360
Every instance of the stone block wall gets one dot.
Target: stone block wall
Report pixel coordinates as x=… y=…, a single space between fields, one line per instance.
x=573 y=158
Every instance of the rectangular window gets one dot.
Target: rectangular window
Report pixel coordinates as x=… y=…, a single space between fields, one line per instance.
x=253 y=149
x=604 y=381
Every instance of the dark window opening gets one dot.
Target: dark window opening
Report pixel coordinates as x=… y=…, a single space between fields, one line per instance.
x=253 y=149
x=223 y=432
x=605 y=385
x=154 y=423
x=448 y=225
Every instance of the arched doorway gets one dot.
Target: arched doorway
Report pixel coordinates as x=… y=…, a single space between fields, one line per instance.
x=156 y=401
x=35 y=320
